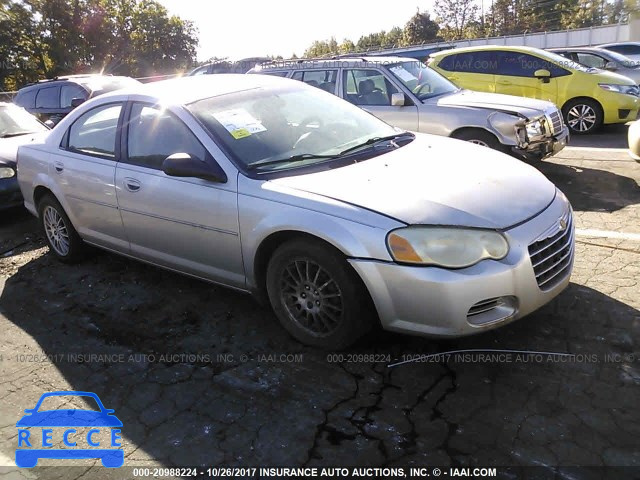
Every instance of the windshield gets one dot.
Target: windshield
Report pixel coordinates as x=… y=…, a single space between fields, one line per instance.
x=17 y=121
x=264 y=125
x=421 y=80
x=622 y=59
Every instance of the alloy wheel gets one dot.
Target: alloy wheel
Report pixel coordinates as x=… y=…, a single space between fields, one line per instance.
x=56 y=231
x=581 y=118
x=311 y=297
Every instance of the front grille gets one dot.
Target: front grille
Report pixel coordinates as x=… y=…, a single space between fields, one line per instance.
x=556 y=122
x=551 y=256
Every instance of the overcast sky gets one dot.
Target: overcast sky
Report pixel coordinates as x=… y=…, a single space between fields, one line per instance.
x=245 y=28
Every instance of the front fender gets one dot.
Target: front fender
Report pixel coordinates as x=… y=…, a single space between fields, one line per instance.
x=261 y=218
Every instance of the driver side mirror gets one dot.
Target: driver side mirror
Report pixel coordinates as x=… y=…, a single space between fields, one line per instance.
x=542 y=74
x=398 y=99
x=611 y=66
x=185 y=165
x=76 y=102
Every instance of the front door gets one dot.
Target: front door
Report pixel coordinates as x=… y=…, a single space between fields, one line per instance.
x=187 y=224
x=515 y=76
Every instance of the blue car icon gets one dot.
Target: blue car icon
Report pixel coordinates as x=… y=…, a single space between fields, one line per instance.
x=69 y=419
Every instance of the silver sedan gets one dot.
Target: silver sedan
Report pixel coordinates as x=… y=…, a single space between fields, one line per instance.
x=273 y=187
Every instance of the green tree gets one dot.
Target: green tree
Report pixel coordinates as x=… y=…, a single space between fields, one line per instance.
x=455 y=16
x=394 y=38
x=420 y=29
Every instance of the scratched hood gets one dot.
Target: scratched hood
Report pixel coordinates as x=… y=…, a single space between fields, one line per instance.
x=437 y=181
x=529 y=107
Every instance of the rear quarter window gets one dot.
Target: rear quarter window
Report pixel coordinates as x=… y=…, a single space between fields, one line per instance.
x=26 y=99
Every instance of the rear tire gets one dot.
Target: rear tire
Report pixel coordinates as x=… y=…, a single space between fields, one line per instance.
x=317 y=296
x=582 y=115
x=479 y=137
x=62 y=238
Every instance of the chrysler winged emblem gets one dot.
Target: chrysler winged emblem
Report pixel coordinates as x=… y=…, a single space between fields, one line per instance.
x=562 y=223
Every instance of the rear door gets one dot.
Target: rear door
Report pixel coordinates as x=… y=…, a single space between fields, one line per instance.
x=187 y=224
x=84 y=169
x=371 y=90
x=324 y=79
x=471 y=70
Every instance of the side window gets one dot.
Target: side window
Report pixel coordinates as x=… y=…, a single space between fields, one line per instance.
x=324 y=79
x=591 y=60
x=154 y=134
x=448 y=63
x=201 y=71
x=518 y=64
x=69 y=92
x=94 y=133
x=475 y=62
x=48 y=98
x=26 y=99
x=275 y=74
x=367 y=87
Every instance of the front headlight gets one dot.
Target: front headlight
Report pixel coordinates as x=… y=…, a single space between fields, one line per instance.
x=535 y=128
x=626 y=89
x=6 y=172
x=447 y=247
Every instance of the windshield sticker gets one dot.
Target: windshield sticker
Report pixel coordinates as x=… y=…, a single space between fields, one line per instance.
x=401 y=73
x=239 y=123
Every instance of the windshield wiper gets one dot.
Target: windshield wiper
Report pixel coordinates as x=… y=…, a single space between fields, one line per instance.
x=375 y=140
x=16 y=134
x=293 y=158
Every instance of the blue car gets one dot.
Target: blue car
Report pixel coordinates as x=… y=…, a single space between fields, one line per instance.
x=68 y=418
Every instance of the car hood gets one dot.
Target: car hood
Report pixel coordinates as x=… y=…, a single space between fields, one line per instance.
x=437 y=181
x=612 y=77
x=529 y=107
x=9 y=146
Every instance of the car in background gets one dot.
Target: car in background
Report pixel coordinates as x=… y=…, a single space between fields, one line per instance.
x=595 y=57
x=328 y=213
x=405 y=93
x=228 y=66
x=51 y=100
x=17 y=127
x=634 y=140
x=628 y=49
x=587 y=97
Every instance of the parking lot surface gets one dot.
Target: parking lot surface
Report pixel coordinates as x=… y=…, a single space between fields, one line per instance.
x=202 y=375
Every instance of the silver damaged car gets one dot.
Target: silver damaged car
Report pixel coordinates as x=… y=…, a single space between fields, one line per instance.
x=406 y=93
x=273 y=187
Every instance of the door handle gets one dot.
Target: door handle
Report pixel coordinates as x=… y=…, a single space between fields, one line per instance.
x=131 y=184
x=59 y=166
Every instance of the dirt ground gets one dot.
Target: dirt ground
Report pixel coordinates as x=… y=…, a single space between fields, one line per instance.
x=202 y=375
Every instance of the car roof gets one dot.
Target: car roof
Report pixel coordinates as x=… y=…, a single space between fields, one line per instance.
x=615 y=44
x=81 y=79
x=481 y=48
x=578 y=49
x=185 y=90
x=336 y=62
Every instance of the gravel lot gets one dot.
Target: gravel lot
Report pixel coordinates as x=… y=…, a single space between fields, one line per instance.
x=201 y=375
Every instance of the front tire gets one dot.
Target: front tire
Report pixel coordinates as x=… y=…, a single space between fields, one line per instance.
x=583 y=115
x=62 y=238
x=479 y=137
x=317 y=296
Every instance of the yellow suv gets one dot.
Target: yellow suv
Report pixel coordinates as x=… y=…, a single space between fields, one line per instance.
x=588 y=97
